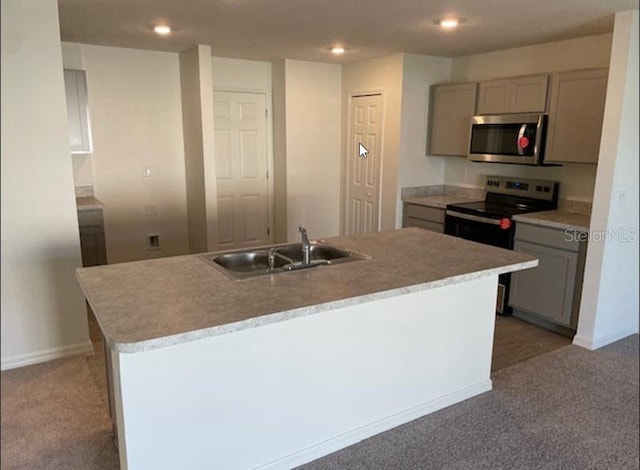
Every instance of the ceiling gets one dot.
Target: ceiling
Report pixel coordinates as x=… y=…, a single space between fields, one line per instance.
x=306 y=29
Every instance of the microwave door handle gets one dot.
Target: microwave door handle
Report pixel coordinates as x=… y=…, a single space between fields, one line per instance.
x=523 y=129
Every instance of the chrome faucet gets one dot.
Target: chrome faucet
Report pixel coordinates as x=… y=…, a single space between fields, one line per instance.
x=272 y=258
x=306 y=246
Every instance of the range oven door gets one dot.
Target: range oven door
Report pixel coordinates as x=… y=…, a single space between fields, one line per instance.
x=488 y=231
x=479 y=229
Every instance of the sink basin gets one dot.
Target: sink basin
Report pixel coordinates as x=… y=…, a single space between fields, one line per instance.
x=248 y=261
x=255 y=262
x=319 y=252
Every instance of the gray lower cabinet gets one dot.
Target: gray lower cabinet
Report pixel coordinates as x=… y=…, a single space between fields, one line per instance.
x=92 y=242
x=549 y=293
x=428 y=218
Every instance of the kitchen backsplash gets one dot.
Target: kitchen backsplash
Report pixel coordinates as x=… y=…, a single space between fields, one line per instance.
x=576 y=207
x=441 y=190
x=84 y=191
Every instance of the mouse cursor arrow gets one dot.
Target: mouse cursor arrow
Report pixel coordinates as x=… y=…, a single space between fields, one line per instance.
x=362 y=150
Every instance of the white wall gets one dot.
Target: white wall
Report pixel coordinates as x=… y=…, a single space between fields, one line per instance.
x=414 y=168
x=313 y=147
x=576 y=181
x=296 y=390
x=383 y=75
x=43 y=312
x=136 y=120
x=609 y=307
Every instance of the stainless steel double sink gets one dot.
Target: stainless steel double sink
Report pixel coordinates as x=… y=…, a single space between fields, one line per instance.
x=254 y=262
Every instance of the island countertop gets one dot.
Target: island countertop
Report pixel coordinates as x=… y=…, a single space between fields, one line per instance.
x=151 y=304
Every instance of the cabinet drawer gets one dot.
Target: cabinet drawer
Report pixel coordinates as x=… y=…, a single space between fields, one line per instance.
x=557 y=238
x=90 y=218
x=425 y=224
x=426 y=213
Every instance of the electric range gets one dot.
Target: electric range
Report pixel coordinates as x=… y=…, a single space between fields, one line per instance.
x=490 y=221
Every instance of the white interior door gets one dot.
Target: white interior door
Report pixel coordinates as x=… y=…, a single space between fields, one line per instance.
x=241 y=168
x=363 y=189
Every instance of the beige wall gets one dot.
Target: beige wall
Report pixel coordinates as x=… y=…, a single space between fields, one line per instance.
x=279 y=152
x=414 y=168
x=377 y=75
x=195 y=76
x=241 y=75
x=576 y=181
x=43 y=313
x=580 y=53
x=312 y=99
x=136 y=119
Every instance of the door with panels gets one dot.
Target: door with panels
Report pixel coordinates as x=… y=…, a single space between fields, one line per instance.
x=364 y=168
x=241 y=169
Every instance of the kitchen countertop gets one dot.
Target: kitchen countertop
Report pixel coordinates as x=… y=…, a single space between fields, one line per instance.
x=150 y=304
x=562 y=220
x=88 y=204
x=439 y=201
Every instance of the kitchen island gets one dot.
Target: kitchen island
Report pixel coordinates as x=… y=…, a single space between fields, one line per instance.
x=277 y=370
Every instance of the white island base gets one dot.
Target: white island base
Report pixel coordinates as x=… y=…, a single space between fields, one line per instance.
x=286 y=393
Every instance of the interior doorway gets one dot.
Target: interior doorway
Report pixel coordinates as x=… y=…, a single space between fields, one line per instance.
x=240 y=139
x=364 y=163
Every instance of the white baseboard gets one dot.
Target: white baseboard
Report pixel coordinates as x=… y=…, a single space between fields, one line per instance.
x=596 y=343
x=48 y=355
x=352 y=437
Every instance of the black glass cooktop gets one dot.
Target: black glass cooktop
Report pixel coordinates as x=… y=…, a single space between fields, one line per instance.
x=496 y=210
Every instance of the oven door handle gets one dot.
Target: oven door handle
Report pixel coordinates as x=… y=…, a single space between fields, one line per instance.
x=475 y=218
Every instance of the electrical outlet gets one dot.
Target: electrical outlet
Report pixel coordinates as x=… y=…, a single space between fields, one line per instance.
x=153 y=242
x=150 y=210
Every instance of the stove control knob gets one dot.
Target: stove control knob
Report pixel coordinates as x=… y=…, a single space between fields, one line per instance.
x=538 y=188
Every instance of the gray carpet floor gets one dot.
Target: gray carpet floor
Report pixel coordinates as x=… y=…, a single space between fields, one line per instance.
x=53 y=417
x=566 y=409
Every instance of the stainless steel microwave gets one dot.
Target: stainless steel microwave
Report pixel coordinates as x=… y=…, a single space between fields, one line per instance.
x=508 y=138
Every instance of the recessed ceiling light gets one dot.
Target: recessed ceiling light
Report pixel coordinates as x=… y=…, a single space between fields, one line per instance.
x=162 y=29
x=337 y=50
x=448 y=22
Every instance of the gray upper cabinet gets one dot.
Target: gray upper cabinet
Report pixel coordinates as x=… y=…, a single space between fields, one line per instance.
x=513 y=95
x=452 y=106
x=576 y=111
x=75 y=83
